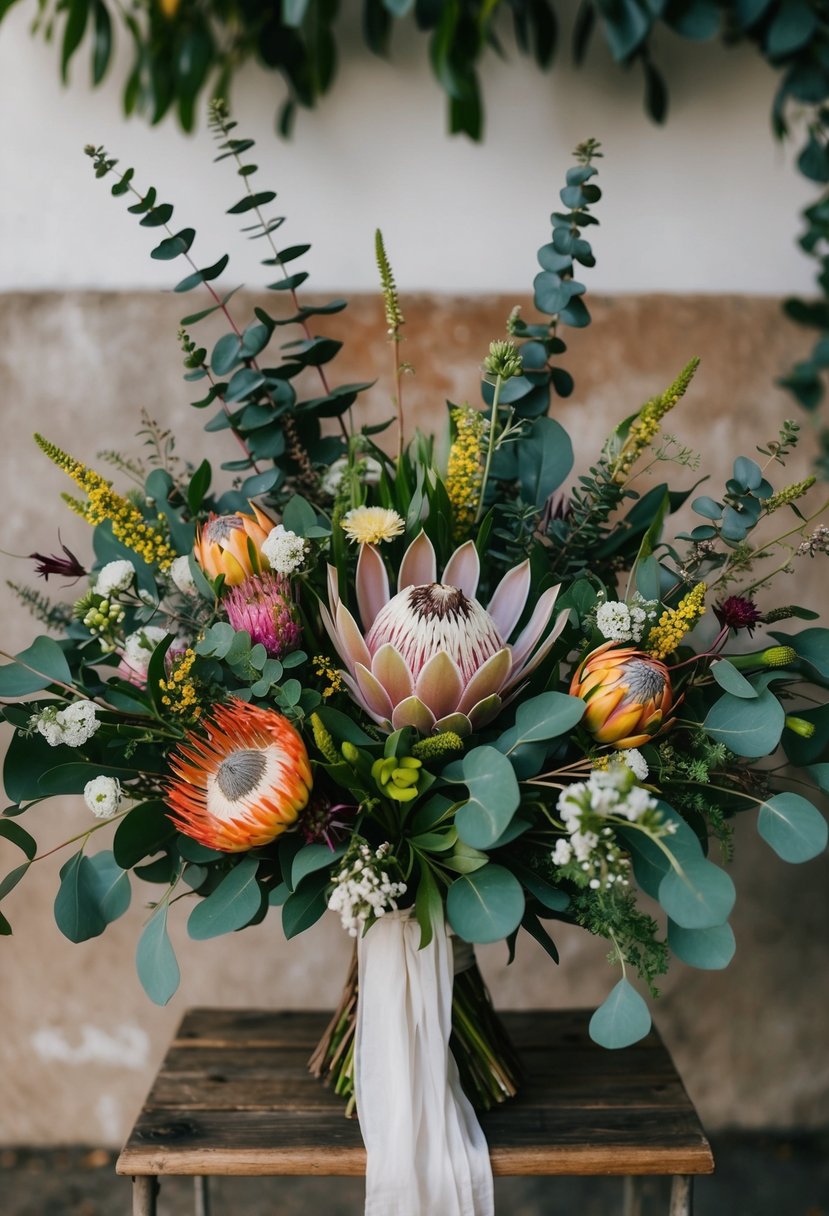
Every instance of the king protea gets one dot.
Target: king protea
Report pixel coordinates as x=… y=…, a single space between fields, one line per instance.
x=432 y=656
x=243 y=782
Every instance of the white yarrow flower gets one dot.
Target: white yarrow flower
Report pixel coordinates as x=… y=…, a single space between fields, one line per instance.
x=284 y=550
x=103 y=796
x=182 y=577
x=114 y=577
x=370 y=473
x=73 y=726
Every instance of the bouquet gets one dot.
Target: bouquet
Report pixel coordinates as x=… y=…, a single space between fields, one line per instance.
x=424 y=681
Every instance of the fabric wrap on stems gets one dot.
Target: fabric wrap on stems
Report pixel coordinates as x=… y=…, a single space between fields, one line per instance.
x=427 y=1155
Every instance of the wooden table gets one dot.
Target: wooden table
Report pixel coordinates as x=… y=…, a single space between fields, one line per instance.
x=234 y=1097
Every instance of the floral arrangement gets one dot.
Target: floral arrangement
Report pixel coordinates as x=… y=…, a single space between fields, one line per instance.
x=430 y=674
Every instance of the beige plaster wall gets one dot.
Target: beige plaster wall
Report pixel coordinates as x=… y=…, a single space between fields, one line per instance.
x=79 y=1039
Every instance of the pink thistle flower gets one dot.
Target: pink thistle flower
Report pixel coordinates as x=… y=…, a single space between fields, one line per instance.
x=262 y=605
x=737 y=612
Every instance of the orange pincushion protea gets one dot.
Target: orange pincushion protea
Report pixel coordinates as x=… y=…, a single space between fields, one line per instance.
x=244 y=784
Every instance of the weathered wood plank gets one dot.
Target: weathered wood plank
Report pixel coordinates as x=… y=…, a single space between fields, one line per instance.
x=234 y=1096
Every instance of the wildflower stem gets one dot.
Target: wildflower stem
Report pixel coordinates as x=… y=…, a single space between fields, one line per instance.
x=490 y=447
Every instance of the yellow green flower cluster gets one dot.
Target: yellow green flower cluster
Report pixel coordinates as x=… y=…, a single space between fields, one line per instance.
x=674 y=623
x=128 y=524
x=789 y=494
x=180 y=694
x=464 y=473
x=325 y=670
x=646 y=426
x=397 y=777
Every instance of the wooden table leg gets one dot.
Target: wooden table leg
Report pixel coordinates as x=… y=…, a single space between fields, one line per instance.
x=633 y=1196
x=682 y=1195
x=202 y=1196
x=144 y=1191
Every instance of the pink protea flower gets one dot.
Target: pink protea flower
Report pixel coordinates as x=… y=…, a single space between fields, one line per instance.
x=262 y=605
x=432 y=657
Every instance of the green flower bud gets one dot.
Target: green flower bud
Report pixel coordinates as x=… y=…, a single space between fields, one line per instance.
x=800 y=726
x=504 y=360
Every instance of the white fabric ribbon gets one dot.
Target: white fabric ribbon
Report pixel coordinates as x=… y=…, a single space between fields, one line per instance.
x=427 y=1155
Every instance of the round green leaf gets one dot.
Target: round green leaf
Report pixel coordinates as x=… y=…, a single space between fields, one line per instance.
x=39 y=665
x=622 y=1018
x=112 y=886
x=485 y=906
x=494 y=796
x=77 y=911
x=547 y=716
x=748 y=727
x=230 y=906
x=731 y=680
x=699 y=896
x=708 y=949
x=794 y=828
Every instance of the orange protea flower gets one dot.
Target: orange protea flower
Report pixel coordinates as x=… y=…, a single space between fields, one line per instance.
x=232 y=545
x=628 y=695
x=244 y=784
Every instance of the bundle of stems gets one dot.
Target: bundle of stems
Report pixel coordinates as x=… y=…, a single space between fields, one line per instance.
x=487 y=1062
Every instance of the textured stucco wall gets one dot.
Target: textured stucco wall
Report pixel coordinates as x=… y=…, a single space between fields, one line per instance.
x=79 y=1037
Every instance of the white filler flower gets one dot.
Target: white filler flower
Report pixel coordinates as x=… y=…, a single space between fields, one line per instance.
x=103 y=796
x=284 y=550
x=73 y=726
x=139 y=647
x=115 y=577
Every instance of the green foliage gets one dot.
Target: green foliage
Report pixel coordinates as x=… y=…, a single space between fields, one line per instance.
x=622 y=1018
x=55 y=616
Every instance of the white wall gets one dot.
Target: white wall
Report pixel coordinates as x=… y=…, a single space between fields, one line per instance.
x=708 y=203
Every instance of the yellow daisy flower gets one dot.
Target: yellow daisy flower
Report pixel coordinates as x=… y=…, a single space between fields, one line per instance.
x=372 y=525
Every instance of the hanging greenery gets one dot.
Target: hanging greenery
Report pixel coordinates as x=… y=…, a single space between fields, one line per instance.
x=183 y=49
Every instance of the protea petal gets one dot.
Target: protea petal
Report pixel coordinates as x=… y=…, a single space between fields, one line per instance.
x=374 y=694
x=489 y=678
x=601 y=706
x=484 y=711
x=457 y=722
x=390 y=669
x=333 y=587
x=412 y=712
x=354 y=688
x=351 y=646
x=372 y=585
x=463 y=570
x=532 y=631
x=509 y=599
x=439 y=685
x=419 y=565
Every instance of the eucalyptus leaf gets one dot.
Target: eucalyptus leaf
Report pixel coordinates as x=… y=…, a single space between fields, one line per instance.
x=709 y=949
x=494 y=796
x=233 y=903
x=749 y=728
x=39 y=665
x=486 y=905
x=794 y=828
x=731 y=680
x=698 y=896
x=155 y=959
x=623 y=1018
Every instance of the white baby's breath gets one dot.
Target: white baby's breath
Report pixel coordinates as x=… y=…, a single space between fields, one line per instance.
x=364 y=889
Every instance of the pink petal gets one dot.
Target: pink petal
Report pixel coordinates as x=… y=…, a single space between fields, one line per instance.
x=349 y=640
x=354 y=689
x=459 y=723
x=534 y=628
x=389 y=667
x=419 y=565
x=484 y=711
x=372 y=585
x=373 y=692
x=530 y=664
x=463 y=570
x=439 y=685
x=412 y=712
x=509 y=599
x=333 y=588
x=489 y=678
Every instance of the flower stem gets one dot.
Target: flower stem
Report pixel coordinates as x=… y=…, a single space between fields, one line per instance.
x=490 y=448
